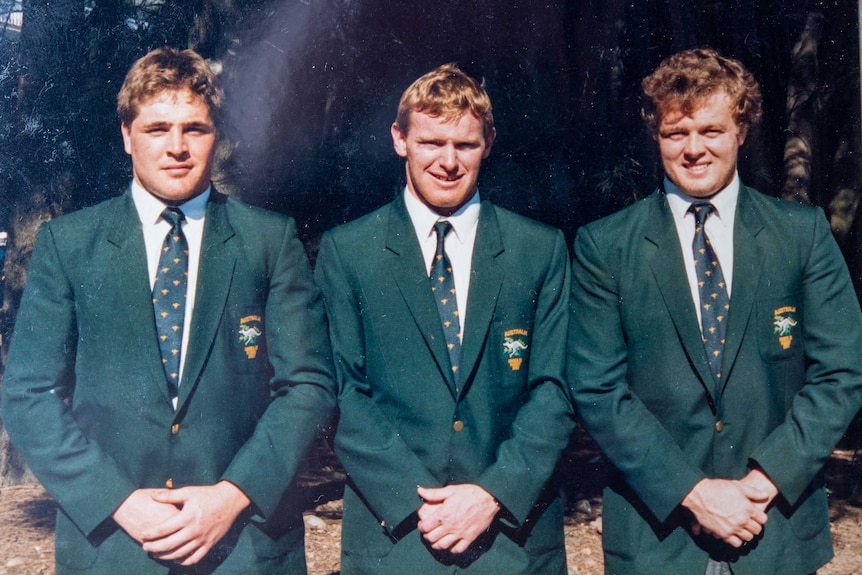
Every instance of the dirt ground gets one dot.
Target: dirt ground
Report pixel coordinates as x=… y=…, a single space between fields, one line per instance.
x=27 y=515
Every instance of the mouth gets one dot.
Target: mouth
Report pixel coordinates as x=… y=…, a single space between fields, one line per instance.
x=178 y=169
x=696 y=169
x=446 y=177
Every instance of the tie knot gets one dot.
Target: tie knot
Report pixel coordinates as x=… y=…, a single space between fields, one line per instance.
x=173 y=216
x=443 y=227
x=701 y=211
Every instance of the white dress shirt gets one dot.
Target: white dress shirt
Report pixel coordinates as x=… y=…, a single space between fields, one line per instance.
x=719 y=230
x=459 y=242
x=155 y=229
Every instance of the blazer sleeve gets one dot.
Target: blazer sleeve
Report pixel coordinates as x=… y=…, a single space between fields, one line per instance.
x=541 y=430
x=630 y=435
x=40 y=377
x=302 y=385
x=832 y=393
x=381 y=465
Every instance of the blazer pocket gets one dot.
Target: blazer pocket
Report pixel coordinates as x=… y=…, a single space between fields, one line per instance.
x=812 y=516
x=73 y=551
x=779 y=327
x=246 y=340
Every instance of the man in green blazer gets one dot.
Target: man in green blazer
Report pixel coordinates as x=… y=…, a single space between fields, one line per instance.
x=170 y=458
x=452 y=396
x=716 y=363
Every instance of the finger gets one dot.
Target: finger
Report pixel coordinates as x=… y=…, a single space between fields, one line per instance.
x=445 y=542
x=434 y=533
x=461 y=546
x=751 y=492
x=171 y=496
x=169 y=543
x=159 y=533
x=696 y=528
x=176 y=554
x=754 y=528
x=429 y=519
x=734 y=541
x=431 y=495
x=760 y=516
x=196 y=556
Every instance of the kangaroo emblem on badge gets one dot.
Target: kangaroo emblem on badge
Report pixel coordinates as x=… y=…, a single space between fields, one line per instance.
x=250 y=328
x=784 y=323
x=515 y=347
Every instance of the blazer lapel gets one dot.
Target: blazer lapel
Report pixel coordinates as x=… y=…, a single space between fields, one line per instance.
x=669 y=272
x=215 y=275
x=486 y=278
x=746 y=276
x=408 y=272
x=130 y=272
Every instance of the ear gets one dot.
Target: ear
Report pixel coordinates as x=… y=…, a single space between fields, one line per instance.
x=127 y=138
x=399 y=140
x=740 y=137
x=489 y=142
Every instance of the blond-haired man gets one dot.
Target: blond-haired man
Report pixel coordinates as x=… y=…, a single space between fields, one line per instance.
x=448 y=319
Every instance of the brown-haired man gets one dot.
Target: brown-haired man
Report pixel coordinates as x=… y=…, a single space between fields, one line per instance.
x=715 y=363
x=455 y=382
x=166 y=402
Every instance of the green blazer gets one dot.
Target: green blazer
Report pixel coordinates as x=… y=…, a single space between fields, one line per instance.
x=405 y=421
x=642 y=384
x=85 y=399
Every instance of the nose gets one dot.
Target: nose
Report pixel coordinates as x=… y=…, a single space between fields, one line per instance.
x=449 y=158
x=177 y=143
x=694 y=145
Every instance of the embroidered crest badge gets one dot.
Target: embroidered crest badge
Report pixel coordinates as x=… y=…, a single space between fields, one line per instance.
x=784 y=323
x=515 y=346
x=250 y=329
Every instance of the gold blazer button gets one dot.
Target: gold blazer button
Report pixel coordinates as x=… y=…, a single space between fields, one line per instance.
x=719 y=426
x=169 y=483
x=458 y=425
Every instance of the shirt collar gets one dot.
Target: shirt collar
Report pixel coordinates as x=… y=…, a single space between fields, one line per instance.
x=724 y=201
x=150 y=208
x=424 y=218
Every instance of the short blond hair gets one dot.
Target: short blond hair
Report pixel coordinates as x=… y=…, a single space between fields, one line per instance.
x=684 y=80
x=168 y=69
x=449 y=93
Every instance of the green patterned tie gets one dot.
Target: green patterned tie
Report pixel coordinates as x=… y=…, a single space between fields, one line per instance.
x=443 y=286
x=714 y=301
x=169 y=296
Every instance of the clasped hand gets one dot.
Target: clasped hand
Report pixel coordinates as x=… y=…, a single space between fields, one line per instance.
x=452 y=517
x=181 y=525
x=733 y=511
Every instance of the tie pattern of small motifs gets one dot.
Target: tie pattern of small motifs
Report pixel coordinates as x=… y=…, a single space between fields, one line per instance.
x=443 y=286
x=714 y=301
x=169 y=296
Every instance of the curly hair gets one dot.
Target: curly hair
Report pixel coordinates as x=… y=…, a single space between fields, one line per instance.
x=448 y=92
x=168 y=69
x=682 y=81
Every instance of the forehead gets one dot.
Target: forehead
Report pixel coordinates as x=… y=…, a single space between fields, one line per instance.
x=715 y=107
x=465 y=126
x=173 y=105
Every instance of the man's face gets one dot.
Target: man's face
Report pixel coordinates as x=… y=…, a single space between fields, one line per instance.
x=171 y=142
x=443 y=159
x=698 y=152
